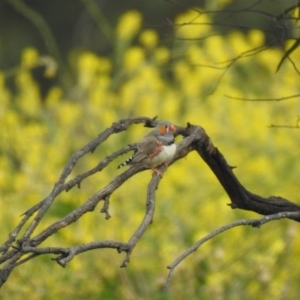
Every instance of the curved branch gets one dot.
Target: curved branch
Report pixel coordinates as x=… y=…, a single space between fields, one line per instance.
x=251 y=222
x=195 y=139
x=150 y=207
x=60 y=186
x=240 y=197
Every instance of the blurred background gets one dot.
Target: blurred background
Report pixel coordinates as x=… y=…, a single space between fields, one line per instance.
x=69 y=69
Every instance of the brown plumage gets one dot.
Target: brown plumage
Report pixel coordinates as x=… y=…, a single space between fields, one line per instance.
x=156 y=148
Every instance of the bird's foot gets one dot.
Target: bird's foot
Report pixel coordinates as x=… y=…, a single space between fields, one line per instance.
x=157 y=172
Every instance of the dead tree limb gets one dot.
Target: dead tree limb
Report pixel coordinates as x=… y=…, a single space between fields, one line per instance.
x=240 y=197
x=20 y=248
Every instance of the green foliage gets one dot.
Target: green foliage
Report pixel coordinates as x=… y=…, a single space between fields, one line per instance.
x=145 y=78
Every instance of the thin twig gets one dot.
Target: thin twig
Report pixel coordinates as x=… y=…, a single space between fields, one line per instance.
x=252 y=222
x=263 y=99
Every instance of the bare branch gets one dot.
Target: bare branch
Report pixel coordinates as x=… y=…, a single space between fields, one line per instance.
x=105 y=207
x=264 y=99
x=12 y=256
x=18 y=251
x=90 y=147
x=150 y=207
x=252 y=222
x=297 y=126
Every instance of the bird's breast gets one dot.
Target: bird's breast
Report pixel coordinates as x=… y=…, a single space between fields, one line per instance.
x=165 y=155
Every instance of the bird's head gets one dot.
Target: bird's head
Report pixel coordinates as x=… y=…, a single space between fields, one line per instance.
x=165 y=128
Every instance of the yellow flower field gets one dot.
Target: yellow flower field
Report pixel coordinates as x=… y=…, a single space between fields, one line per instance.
x=147 y=78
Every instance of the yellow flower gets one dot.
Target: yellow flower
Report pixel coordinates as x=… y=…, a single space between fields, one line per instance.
x=296 y=13
x=256 y=38
x=88 y=65
x=88 y=62
x=54 y=96
x=129 y=24
x=69 y=114
x=134 y=58
x=181 y=70
x=270 y=58
x=238 y=43
x=192 y=24
x=30 y=57
x=220 y=50
x=149 y=38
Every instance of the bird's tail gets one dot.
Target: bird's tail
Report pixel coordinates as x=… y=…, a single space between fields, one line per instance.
x=126 y=162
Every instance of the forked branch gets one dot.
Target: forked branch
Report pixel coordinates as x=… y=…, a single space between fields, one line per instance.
x=20 y=248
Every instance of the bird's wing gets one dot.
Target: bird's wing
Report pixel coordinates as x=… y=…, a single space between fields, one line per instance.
x=148 y=148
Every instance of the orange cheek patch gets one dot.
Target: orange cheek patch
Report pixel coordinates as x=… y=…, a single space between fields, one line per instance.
x=162 y=129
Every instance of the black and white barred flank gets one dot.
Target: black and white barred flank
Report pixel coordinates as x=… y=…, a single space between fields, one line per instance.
x=126 y=162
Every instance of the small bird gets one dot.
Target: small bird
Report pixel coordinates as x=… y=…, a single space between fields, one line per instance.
x=156 y=148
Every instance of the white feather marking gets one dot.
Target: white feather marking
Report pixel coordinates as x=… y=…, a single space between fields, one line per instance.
x=165 y=156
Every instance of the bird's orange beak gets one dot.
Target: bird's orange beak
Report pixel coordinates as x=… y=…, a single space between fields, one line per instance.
x=172 y=128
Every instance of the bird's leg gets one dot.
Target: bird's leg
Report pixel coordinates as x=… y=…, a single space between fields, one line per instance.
x=156 y=171
x=159 y=172
x=166 y=165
